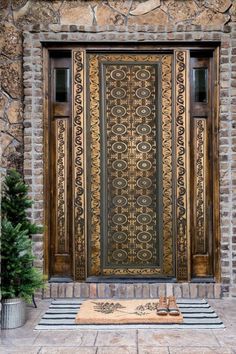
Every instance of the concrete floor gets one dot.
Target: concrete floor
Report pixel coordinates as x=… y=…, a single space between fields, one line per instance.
x=26 y=340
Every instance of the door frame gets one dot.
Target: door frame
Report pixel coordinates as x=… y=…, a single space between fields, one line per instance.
x=80 y=270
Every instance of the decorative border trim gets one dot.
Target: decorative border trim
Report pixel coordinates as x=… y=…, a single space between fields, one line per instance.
x=78 y=170
x=181 y=165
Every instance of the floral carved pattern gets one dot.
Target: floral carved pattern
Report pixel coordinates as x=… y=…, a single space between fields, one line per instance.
x=78 y=178
x=181 y=167
x=200 y=127
x=61 y=225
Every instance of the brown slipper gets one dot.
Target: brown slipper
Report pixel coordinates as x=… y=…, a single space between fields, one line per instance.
x=162 y=308
x=173 y=307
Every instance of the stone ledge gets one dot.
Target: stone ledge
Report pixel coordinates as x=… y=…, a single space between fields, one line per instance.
x=132 y=290
x=147 y=29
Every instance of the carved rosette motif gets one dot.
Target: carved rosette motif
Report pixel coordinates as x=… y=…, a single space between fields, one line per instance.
x=200 y=217
x=61 y=188
x=181 y=166
x=130 y=125
x=166 y=125
x=78 y=160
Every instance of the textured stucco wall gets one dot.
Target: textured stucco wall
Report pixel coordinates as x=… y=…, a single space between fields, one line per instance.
x=162 y=20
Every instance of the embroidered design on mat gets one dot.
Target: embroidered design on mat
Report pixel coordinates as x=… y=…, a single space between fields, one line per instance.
x=141 y=310
x=106 y=307
x=147 y=308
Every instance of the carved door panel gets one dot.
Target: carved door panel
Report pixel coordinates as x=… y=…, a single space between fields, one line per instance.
x=130 y=163
x=130 y=171
x=119 y=167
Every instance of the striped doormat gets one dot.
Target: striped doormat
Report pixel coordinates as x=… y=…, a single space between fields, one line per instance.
x=197 y=314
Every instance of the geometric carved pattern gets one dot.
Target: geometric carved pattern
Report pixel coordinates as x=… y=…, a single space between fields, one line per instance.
x=61 y=188
x=135 y=237
x=130 y=102
x=181 y=165
x=78 y=166
x=200 y=185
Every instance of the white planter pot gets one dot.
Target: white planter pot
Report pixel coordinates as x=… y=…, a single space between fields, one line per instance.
x=13 y=313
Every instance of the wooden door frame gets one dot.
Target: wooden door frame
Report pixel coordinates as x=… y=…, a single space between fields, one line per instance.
x=158 y=47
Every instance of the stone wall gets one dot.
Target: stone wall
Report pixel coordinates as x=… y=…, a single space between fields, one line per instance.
x=137 y=20
x=15 y=14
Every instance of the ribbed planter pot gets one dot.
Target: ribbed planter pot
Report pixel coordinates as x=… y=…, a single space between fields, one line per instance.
x=13 y=313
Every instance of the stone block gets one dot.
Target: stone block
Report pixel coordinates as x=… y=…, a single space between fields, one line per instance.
x=10 y=40
x=92 y=291
x=169 y=289
x=112 y=290
x=146 y=291
x=193 y=291
x=84 y=290
x=210 y=291
x=72 y=14
x=11 y=78
x=217 y=291
x=138 y=291
x=154 y=291
x=62 y=290
x=77 y=290
x=54 y=290
x=185 y=289
x=35 y=13
x=177 y=289
x=202 y=290
x=69 y=290
x=155 y=17
x=162 y=289
x=144 y=8
x=46 y=291
x=122 y=291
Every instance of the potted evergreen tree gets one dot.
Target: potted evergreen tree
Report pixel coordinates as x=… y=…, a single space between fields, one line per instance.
x=19 y=279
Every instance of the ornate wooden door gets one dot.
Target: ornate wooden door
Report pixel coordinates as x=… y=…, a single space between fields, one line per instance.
x=132 y=169
x=130 y=165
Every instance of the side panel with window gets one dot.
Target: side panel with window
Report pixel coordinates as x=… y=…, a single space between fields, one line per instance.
x=60 y=225
x=201 y=165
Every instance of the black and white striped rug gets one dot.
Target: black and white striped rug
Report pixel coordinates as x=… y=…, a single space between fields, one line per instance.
x=197 y=314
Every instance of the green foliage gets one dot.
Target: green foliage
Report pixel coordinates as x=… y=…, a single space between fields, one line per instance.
x=15 y=202
x=18 y=276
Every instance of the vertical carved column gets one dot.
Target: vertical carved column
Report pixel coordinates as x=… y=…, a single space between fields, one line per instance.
x=181 y=131
x=200 y=169
x=78 y=166
x=62 y=242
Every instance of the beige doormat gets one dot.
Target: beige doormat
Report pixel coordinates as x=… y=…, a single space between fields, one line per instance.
x=122 y=312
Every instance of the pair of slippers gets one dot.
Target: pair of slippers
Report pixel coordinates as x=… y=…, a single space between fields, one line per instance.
x=167 y=306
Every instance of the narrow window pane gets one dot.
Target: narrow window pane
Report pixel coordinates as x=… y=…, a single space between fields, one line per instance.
x=62 y=78
x=200 y=85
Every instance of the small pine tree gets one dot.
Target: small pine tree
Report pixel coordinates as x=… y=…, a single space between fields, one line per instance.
x=15 y=202
x=18 y=276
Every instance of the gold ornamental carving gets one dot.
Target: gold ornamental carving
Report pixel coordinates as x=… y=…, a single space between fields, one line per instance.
x=94 y=62
x=78 y=164
x=61 y=186
x=181 y=165
x=200 y=182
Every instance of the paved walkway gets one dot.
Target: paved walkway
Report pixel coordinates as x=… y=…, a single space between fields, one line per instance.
x=26 y=340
